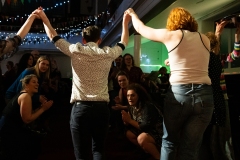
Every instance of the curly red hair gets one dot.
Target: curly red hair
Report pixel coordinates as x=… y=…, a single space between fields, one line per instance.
x=179 y=18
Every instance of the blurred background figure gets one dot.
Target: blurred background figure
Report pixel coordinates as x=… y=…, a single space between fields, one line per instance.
x=134 y=73
x=120 y=103
x=164 y=79
x=36 y=55
x=217 y=141
x=9 y=76
x=114 y=71
x=26 y=61
x=2 y=92
x=52 y=87
x=55 y=72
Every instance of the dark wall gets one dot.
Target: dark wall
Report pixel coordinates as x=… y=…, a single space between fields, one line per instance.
x=233 y=90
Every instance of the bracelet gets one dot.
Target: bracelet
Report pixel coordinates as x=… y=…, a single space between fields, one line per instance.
x=19 y=39
x=55 y=39
x=236 y=46
x=121 y=45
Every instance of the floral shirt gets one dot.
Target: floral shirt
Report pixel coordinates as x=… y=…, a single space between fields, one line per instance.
x=150 y=120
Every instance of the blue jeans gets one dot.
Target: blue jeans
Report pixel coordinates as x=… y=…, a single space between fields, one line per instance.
x=187 y=112
x=89 y=127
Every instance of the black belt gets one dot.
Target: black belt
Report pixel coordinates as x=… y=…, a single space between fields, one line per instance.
x=90 y=102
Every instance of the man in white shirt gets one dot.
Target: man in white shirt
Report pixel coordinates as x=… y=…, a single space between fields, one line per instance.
x=90 y=67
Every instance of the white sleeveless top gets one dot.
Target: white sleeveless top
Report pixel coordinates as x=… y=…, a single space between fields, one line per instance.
x=189 y=60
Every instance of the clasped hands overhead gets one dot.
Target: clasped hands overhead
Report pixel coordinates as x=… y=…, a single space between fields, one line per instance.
x=39 y=13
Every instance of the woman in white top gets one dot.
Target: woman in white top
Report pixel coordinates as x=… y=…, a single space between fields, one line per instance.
x=189 y=103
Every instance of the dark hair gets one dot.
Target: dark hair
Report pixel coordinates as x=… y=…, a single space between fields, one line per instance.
x=122 y=73
x=123 y=62
x=91 y=33
x=10 y=63
x=143 y=96
x=162 y=69
x=23 y=62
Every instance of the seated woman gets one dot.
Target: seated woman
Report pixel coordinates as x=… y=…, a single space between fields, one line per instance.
x=121 y=100
x=17 y=142
x=143 y=121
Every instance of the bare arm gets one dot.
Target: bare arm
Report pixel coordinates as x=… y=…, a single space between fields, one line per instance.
x=23 y=31
x=50 y=31
x=159 y=35
x=219 y=28
x=125 y=32
x=27 y=114
x=10 y=47
x=237 y=33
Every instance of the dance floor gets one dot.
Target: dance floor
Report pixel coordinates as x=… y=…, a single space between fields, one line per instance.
x=58 y=144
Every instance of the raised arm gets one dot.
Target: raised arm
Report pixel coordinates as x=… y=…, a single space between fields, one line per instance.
x=9 y=47
x=237 y=33
x=23 y=31
x=219 y=28
x=215 y=48
x=236 y=49
x=125 y=32
x=50 y=31
x=147 y=32
x=58 y=41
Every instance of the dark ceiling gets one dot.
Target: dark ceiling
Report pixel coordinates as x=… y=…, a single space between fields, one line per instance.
x=65 y=15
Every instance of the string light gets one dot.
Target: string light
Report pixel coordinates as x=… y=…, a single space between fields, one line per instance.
x=71 y=27
x=26 y=15
x=64 y=25
x=36 y=38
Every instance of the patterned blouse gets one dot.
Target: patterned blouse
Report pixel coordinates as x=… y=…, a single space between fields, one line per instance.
x=90 y=68
x=235 y=54
x=215 y=70
x=150 y=121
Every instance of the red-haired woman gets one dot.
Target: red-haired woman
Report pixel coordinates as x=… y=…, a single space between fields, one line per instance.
x=189 y=101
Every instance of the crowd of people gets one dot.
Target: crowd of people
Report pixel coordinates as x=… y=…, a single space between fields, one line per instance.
x=118 y=94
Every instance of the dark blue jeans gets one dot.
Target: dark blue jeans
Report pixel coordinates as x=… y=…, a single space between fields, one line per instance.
x=89 y=127
x=187 y=112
